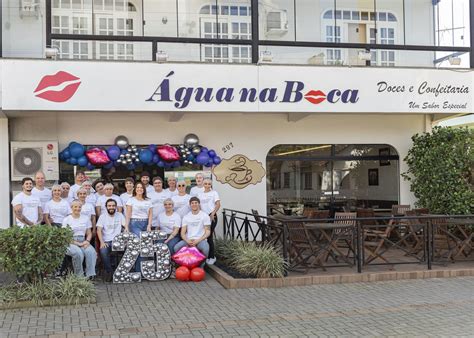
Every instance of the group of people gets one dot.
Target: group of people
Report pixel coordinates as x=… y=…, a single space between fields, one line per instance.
x=96 y=215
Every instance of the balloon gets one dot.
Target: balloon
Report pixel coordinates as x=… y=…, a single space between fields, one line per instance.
x=168 y=153
x=109 y=165
x=121 y=141
x=176 y=164
x=160 y=164
x=190 y=257
x=191 y=140
x=90 y=167
x=76 y=150
x=131 y=166
x=113 y=152
x=82 y=161
x=97 y=156
x=155 y=159
x=202 y=158
x=152 y=148
x=145 y=155
x=211 y=153
x=190 y=158
x=197 y=274
x=209 y=163
x=123 y=152
x=73 y=160
x=204 y=150
x=217 y=160
x=182 y=274
x=66 y=153
x=116 y=163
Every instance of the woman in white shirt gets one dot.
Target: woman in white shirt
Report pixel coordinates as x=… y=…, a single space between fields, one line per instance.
x=181 y=201
x=129 y=184
x=171 y=186
x=80 y=248
x=170 y=223
x=91 y=197
x=56 y=209
x=210 y=204
x=139 y=214
x=199 y=187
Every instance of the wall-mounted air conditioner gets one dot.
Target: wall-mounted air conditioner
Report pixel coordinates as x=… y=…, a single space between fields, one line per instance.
x=29 y=8
x=29 y=157
x=277 y=22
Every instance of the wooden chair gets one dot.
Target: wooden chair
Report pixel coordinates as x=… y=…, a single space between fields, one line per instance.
x=366 y=212
x=319 y=214
x=303 y=250
x=400 y=209
x=415 y=232
x=308 y=211
x=344 y=237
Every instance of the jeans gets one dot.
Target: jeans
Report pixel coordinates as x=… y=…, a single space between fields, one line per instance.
x=105 y=255
x=203 y=246
x=78 y=254
x=210 y=239
x=136 y=227
x=171 y=244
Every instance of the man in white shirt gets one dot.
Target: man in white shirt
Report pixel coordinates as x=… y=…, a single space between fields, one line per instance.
x=145 y=179
x=171 y=190
x=199 y=187
x=157 y=197
x=109 y=225
x=26 y=206
x=79 y=179
x=195 y=229
x=108 y=193
x=40 y=190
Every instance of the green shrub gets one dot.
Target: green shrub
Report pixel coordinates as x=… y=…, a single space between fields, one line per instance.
x=440 y=167
x=250 y=259
x=34 y=251
x=70 y=290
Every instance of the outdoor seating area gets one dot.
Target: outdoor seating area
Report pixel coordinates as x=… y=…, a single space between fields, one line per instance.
x=359 y=241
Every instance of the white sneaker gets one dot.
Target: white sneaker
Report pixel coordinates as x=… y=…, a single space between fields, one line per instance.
x=210 y=261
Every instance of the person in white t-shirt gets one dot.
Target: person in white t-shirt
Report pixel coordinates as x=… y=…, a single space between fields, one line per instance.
x=27 y=208
x=56 y=210
x=157 y=198
x=81 y=247
x=40 y=190
x=108 y=193
x=199 y=187
x=181 y=201
x=91 y=197
x=108 y=226
x=80 y=177
x=145 y=179
x=65 y=192
x=210 y=204
x=170 y=223
x=171 y=190
x=129 y=184
x=87 y=209
x=195 y=229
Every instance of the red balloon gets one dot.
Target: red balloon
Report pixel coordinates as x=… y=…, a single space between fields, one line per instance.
x=197 y=274
x=168 y=153
x=97 y=156
x=182 y=274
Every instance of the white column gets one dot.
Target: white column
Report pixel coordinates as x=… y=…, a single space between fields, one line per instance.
x=5 y=208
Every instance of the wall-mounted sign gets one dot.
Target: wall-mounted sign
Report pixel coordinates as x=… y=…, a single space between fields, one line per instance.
x=239 y=171
x=115 y=86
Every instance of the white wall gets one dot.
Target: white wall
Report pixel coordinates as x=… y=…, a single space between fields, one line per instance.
x=251 y=134
x=4 y=173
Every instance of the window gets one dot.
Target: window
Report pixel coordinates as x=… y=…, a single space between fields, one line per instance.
x=333 y=34
x=307 y=180
x=286 y=180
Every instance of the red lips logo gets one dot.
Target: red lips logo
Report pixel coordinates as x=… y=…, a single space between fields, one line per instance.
x=59 y=87
x=315 y=96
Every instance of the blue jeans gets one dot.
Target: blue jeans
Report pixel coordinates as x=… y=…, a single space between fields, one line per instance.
x=172 y=243
x=78 y=254
x=105 y=255
x=136 y=226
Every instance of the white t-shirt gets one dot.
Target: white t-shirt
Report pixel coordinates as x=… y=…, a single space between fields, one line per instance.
x=208 y=201
x=57 y=210
x=91 y=198
x=88 y=210
x=195 y=224
x=149 y=190
x=103 y=199
x=111 y=225
x=140 y=209
x=172 y=193
x=78 y=225
x=125 y=196
x=30 y=204
x=73 y=191
x=44 y=195
x=181 y=204
x=168 y=223
x=157 y=199
x=195 y=191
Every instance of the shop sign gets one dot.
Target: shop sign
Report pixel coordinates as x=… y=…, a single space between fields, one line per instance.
x=239 y=171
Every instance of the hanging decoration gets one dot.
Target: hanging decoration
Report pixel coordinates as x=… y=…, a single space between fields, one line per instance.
x=167 y=156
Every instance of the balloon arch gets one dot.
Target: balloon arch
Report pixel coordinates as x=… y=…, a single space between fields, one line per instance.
x=130 y=156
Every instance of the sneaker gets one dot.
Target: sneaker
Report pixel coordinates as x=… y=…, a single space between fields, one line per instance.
x=210 y=261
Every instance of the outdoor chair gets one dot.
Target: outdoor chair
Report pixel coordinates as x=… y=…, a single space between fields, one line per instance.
x=307 y=212
x=319 y=214
x=303 y=250
x=400 y=209
x=343 y=237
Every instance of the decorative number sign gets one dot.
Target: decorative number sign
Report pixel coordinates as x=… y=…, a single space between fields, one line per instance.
x=147 y=246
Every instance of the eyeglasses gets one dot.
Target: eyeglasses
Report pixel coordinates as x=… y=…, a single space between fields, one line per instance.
x=181 y=185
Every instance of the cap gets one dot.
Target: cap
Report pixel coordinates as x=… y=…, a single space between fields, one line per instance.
x=145 y=173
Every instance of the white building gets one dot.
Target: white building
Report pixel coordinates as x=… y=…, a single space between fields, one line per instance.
x=305 y=88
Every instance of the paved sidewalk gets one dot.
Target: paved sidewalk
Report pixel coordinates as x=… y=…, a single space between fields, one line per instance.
x=435 y=307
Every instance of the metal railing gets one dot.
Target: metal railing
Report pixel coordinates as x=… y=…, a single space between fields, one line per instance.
x=423 y=239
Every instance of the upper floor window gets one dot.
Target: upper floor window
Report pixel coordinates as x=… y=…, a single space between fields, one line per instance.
x=359 y=15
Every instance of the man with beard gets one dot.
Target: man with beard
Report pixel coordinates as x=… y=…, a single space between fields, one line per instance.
x=26 y=206
x=145 y=179
x=109 y=225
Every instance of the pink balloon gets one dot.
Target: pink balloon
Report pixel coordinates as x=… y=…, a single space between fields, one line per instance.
x=168 y=153
x=189 y=257
x=97 y=156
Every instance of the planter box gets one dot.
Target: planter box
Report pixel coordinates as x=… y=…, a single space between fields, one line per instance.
x=230 y=282
x=27 y=304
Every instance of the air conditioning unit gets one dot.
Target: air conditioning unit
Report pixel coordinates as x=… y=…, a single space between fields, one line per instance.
x=277 y=22
x=29 y=157
x=29 y=8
